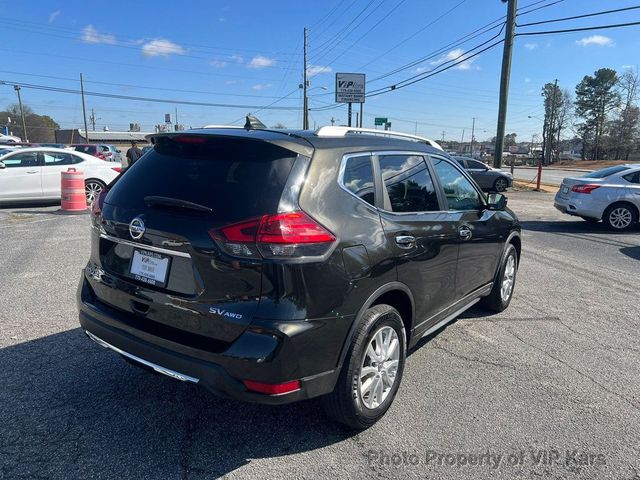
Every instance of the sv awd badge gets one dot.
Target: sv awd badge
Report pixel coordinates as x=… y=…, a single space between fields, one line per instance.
x=224 y=313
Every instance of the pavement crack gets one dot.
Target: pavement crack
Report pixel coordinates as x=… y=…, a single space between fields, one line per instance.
x=474 y=360
x=579 y=372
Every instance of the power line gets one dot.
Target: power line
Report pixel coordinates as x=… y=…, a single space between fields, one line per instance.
x=367 y=32
x=605 y=12
x=143 y=99
x=582 y=29
x=412 y=35
x=129 y=85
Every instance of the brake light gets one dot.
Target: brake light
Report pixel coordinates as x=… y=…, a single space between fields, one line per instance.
x=588 y=188
x=96 y=206
x=117 y=169
x=272 y=388
x=284 y=235
x=189 y=139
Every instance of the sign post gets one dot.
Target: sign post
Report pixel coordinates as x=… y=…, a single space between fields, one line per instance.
x=350 y=88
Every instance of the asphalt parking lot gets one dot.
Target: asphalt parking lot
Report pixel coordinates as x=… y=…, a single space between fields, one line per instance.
x=549 y=388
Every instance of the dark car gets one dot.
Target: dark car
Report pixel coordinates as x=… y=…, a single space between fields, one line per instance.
x=100 y=150
x=489 y=179
x=273 y=266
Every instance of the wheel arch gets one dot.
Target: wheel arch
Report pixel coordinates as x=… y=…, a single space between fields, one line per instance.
x=633 y=206
x=395 y=294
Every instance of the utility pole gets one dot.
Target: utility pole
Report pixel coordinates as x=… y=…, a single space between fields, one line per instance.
x=473 y=131
x=24 y=125
x=443 y=133
x=415 y=132
x=349 y=114
x=360 y=124
x=93 y=119
x=333 y=121
x=84 y=109
x=357 y=119
x=462 y=142
x=512 y=6
x=305 y=100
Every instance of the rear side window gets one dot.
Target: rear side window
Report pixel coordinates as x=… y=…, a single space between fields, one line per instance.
x=358 y=178
x=476 y=165
x=408 y=184
x=605 y=172
x=57 y=158
x=238 y=179
x=633 y=177
x=88 y=149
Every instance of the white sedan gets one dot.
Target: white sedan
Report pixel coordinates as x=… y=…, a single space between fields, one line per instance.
x=31 y=174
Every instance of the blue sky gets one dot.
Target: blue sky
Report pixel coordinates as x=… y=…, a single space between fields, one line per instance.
x=250 y=54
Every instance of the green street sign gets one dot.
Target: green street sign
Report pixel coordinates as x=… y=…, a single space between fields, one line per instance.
x=380 y=120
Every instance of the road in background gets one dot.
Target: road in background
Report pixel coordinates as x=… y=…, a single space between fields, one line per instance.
x=552 y=382
x=550 y=176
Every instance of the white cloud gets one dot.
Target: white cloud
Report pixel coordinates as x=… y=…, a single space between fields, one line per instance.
x=599 y=40
x=261 y=86
x=530 y=46
x=628 y=67
x=161 y=47
x=527 y=80
x=261 y=62
x=454 y=56
x=222 y=19
x=91 y=35
x=237 y=58
x=318 y=69
x=53 y=16
x=230 y=82
x=419 y=69
x=217 y=63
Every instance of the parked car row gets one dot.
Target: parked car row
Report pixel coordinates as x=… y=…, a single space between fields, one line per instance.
x=103 y=151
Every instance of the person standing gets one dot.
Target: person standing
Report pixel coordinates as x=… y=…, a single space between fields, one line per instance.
x=133 y=154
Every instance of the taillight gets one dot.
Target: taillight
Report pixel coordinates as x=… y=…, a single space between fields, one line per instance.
x=96 y=206
x=117 y=169
x=588 y=188
x=272 y=388
x=280 y=236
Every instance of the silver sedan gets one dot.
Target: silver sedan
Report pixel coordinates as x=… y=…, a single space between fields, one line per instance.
x=611 y=194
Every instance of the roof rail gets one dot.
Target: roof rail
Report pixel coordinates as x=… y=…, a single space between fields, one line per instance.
x=332 y=131
x=222 y=126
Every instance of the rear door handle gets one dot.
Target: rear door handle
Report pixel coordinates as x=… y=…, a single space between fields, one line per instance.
x=405 y=241
x=32 y=171
x=465 y=233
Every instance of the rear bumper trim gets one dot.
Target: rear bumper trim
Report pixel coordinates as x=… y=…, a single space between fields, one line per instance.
x=164 y=371
x=142 y=246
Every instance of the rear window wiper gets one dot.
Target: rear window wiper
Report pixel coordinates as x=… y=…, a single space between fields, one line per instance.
x=152 y=200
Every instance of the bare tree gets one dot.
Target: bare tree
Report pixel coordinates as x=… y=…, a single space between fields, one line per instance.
x=625 y=126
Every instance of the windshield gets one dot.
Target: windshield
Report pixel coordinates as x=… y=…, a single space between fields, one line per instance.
x=605 y=172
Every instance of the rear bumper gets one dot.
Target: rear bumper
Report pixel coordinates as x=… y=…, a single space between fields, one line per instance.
x=580 y=207
x=270 y=353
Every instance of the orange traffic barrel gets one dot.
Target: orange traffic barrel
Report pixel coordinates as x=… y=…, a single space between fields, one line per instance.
x=73 y=198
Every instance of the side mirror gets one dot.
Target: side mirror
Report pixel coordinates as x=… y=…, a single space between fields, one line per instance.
x=496 y=201
x=2 y=165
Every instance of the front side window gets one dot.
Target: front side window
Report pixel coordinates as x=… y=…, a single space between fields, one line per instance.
x=29 y=159
x=476 y=165
x=460 y=193
x=358 y=178
x=408 y=184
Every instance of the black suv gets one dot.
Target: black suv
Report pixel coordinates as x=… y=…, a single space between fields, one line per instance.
x=276 y=266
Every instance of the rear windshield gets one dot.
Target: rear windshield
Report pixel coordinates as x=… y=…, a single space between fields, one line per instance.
x=605 y=172
x=89 y=149
x=237 y=178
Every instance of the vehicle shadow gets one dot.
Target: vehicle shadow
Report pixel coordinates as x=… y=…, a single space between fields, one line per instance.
x=71 y=409
x=31 y=204
x=568 y=226
x=633 y=252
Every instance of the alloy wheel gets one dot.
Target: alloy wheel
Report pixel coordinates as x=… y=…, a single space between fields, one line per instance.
x=501 y=185
x=508 y=279
x=620 y=217
x=379 y=367
x=92 y=190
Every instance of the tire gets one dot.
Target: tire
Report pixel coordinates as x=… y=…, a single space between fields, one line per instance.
x=620 y=217
x=351 y=403
x=501 y=184
x=92 y=189
x=496 y=301
x=590 y=219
